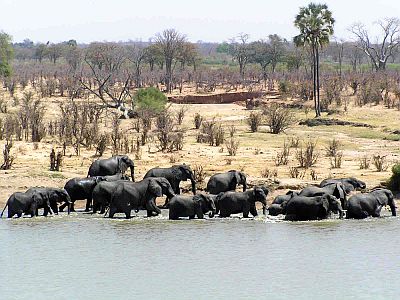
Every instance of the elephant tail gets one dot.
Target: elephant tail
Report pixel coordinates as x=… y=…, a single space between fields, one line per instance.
x=1 y=215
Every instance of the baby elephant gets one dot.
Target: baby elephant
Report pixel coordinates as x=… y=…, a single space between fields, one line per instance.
x=190 y=206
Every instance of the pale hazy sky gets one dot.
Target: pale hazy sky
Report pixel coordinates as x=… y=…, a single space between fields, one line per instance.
x=206 y=20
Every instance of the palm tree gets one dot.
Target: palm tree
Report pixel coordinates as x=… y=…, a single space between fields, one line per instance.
x=315 y=23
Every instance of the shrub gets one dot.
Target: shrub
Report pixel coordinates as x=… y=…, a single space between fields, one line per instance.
x=333 y=148
x=198 y=173
x=336 y=160
x=278 y=118
x=364 y=162
x=254 y=121
x=380 y=163
x=198 y=119
x=8 y=159
x=150 y=99
x=165 y=126
x=308 y=157
x=394 y=181
x=232 y=146
x=282 y=157
x=180 y=115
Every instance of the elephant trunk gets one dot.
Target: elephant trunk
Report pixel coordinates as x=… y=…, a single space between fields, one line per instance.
x=264 y=209
x=213 y=210
x=133 y=173
x=193 y=185
x=341 y=214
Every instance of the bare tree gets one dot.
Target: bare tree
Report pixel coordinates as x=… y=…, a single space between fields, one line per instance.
x=105 y=62
x=241 y=51
x=136 y=55
x=381 y=48
x=170 y=42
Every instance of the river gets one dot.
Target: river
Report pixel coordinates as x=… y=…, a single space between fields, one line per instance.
x=85 y=257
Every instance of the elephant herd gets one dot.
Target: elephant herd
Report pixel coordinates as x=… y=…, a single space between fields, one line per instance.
x=108 y=191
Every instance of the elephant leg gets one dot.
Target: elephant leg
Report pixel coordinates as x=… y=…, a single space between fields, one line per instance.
x=149 y=213
x=191 y=217
x=88 y=204
x=19 y=214
x=112 y=212
x=253 y=211
x=102 y=209
x=73 y=206
x=128 y=214
x=377 y=212
x=62 y=206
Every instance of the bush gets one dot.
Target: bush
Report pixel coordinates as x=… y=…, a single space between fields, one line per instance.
x=150 y=99
x=394 y=181
x=380 y=162
x=364 y=162
x=254 y=121
x=308 y=157
x=198 y=119
x=333 y=148
x=282 y=158
x=232 y=146
x=278 y=118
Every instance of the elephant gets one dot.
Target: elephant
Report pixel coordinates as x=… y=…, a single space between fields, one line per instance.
x=278 y=205
x=361 y=206
x=50 y=196
x=350 y=183
x=112 y=166
x=82 y=188
x=224 y=182
x=335 y=189
x=284 y=198
x=241 y=202
x=22 y=203
x=102 y=194
x=190 y=206
x=301 y=208
x=174 y=175
x=139 y=195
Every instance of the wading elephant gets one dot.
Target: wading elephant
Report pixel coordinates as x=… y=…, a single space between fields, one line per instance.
x=278 y=206
x=174 y=175
x=22 y=203
x=301 y=208
x=102 y=193
x=139 y=195
x=242 y=202
x=224 y=182
x=350 y=183
x=361 y=206
x=335 y=189
x=82 y=188
x=191 y=206
x=50 y=195
x=111 y=166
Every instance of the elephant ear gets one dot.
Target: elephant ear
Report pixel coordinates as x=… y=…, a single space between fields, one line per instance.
x=324 y=202
x=155 y=188
x=339 y=191
x=177 y=173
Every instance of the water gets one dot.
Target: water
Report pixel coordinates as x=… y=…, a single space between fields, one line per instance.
x=86 y=257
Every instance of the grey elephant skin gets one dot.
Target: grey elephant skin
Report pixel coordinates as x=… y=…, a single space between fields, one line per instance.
x=224 y=182
x=174 y=175
x=278 y=205
x=335 y=189
x=111 y=166
x=21 y=203
x=350 y=183
x=82 y=188
x=191 y=206
x=139 y=195
x=241 y=202
x=52 y=196
x=301 y=208
x=361 y=206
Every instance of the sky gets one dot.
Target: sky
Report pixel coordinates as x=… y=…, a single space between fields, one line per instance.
x=205 y=20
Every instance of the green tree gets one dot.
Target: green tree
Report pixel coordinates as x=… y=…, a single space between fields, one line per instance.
x=150 y=99
x=6 y=54
x=315 y=23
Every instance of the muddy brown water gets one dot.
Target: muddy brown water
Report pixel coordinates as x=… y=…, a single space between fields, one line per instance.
x=89 y=257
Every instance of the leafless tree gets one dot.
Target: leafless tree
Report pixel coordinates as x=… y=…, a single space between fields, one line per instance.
x=136 y=55
x=383 y=47
x=241 y=51
x=170 y=42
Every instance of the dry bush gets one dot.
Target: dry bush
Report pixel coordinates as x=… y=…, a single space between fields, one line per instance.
x=168 y=140
x=333 y=87
x=282 y=157
x=257 y=151
x=101 y=145
x=295 y=172
x=55 y=160
x=198 y=120
x=254 y=121
x=116 y=134
x=380 y=162
x=198 y=173
x=31 y=116
x=267 y=173
x=364 y=162
x=278 y=118
x=173 y=158
x=313 y=175
x=211 y=133
x=232 y=145
x=336 y=160
x=175 y=142
x=219 y=135
x=232 y=130
x=308 y=157
x=228 y=161
x=294 y=142
x=334 y=146
x=8 y=158
x=180 y=115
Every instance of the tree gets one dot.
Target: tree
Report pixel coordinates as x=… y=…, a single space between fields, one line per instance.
x=150 y=99
x=136 y=54
x=170 y=43
x=315 y=23
x=294 y=59
x=54 y=52
x=241 y=51
x=40 y=52
x=153 y=56
x=6 y=54
x=379 y=52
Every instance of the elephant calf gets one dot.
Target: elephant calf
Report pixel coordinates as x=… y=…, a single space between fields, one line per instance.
x=242 y=202
x=191 y=206
x=301 y=208
x=361 y=206
x=21 y=203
